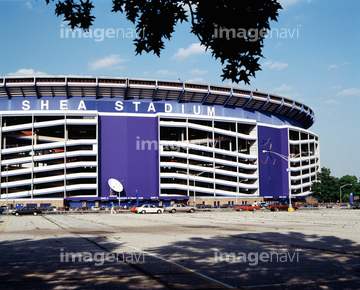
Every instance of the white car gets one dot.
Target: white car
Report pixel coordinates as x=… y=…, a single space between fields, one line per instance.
x=148 y=208
x=95 y=208
x=180 y=207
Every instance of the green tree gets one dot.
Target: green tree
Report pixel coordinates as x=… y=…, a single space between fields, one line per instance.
x=243 y=25
x=326 y=187
x=345 y=191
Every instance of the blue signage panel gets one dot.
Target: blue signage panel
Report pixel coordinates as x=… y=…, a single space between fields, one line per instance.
x=142 y=106
x=120 y=157
x=273 y=174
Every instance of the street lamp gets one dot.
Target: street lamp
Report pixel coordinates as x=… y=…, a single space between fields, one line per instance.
x=7 y=186
x=195 y=175
x=341 y=188
x=289 y=173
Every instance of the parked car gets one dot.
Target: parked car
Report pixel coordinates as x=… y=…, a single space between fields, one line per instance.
x=247 y=207
x=280 y=206
x=82 y=208
x=148 y=208
x=95 y=208
x=262 y=204
x=3 y=208
x=51 y=208
x=27 y=210
x=180 y=207
x=204 y=207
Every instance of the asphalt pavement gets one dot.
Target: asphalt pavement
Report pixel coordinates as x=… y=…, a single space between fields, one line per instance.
x=288 y=250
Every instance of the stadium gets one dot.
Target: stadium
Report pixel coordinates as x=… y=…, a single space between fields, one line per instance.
x=63 y=138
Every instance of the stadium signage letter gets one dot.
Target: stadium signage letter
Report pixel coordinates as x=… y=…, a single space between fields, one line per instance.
x=45 y=105
x=130 y=106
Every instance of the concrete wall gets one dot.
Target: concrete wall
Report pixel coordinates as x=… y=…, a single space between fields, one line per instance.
x=37 y=202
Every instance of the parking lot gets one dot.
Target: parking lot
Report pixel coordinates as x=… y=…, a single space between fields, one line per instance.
x=220 y=249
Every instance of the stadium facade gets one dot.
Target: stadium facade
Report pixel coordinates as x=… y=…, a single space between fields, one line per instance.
x=63 y=138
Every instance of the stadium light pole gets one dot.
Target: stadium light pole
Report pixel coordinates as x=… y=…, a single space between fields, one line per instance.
x=341 y=188
x=286 y=158
x=7 y=186
x=195 y=175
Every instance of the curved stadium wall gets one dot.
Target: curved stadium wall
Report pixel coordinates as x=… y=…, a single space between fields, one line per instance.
x=65 y=137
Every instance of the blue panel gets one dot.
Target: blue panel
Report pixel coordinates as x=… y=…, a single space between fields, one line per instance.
x=75 y=203
x=274 y=181
x=129 y=153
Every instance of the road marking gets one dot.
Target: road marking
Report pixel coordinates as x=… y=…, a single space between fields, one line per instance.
x=202 y=276
x=5 y=224
x=59 y=221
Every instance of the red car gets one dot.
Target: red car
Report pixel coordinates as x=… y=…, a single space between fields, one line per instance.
x=280 y=206
x=247 y=207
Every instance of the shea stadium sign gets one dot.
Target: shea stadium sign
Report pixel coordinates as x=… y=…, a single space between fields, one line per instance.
x=127 y=106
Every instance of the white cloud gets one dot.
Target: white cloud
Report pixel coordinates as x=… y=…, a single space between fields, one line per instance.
x=286 y=3
x=196 y=80
x=331 y=102
x=27 y=72
x=164 y=72
x=196 y=71
x=28 y=5
x=350 y=92
x=193 y=49
x=275 y=65
x=283 y=88
x=335 y=87
x=332 y=66
x=109 y=62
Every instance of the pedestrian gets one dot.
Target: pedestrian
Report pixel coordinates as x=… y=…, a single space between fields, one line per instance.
x=112 y=208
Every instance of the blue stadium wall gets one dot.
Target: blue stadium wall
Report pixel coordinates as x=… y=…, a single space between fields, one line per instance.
x=138 y=170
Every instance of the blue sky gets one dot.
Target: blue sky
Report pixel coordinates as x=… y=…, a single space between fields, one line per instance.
x=313 y=58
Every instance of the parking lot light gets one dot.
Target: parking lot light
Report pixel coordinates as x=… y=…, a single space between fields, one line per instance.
x=349 y=184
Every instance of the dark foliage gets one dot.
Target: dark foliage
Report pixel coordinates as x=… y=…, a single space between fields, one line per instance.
x=232 y=30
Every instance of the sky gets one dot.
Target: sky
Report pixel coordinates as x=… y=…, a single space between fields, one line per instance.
x=312 y=56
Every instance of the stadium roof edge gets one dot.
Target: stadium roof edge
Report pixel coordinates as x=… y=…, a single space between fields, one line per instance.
x=145 y=88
